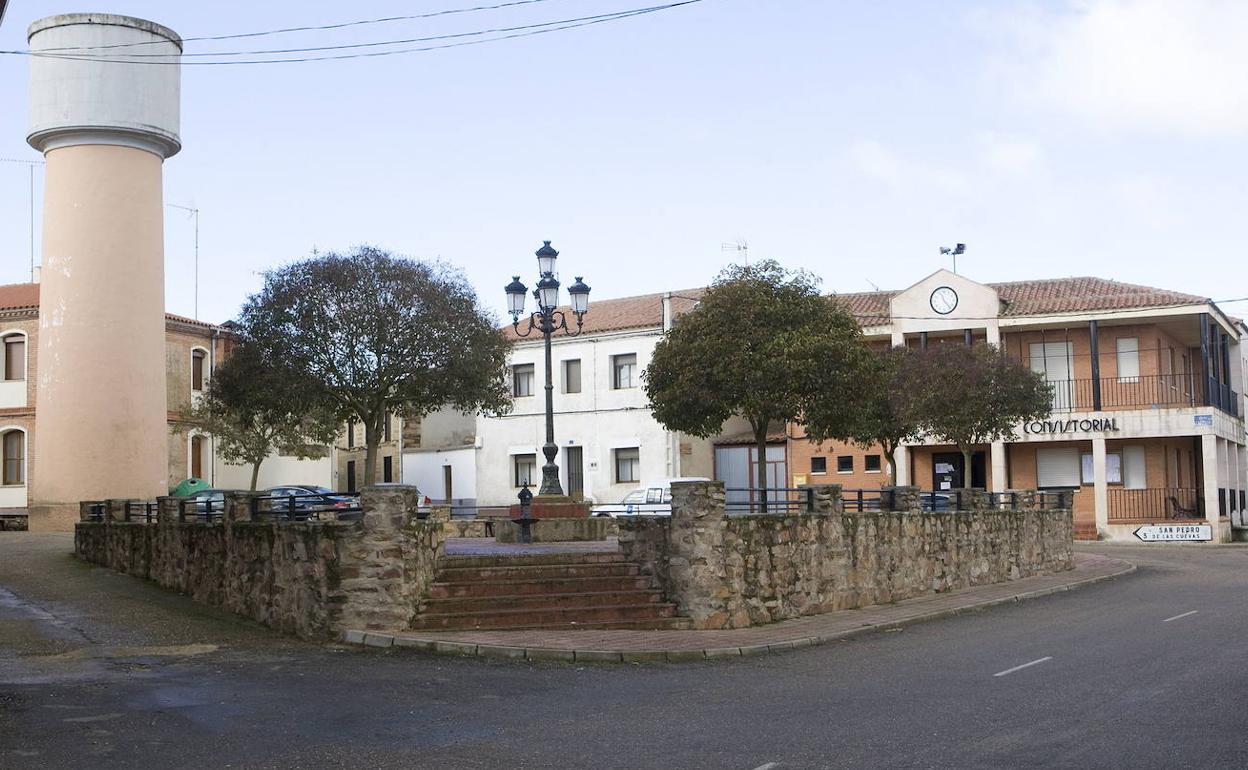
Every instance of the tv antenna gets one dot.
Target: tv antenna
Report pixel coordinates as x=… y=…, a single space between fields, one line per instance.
x=193 y=211
x=740 y=246
x=954 y=252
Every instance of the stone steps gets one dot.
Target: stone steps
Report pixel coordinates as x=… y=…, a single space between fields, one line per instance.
x=542 y=601
x=544 y=591
x=576 y=616
x=457 y=574
x=576 y=585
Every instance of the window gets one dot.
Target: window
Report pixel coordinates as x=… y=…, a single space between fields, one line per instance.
x=1133 y=467
x=572 y=375
x=845 y=464
x=522 y=380
x=350 y=475
x=818 y=465
x=1128 y=359
x=627 y=465
x=351 y=435
x=1113 y=468
x=526 y=469
x=14 y=457
x=1057 y=467
x=624 y=371
x=873 y=464
x=197 y=370
x=15 y=357
x=197 y=457
x=387 y=469
x=386 y=430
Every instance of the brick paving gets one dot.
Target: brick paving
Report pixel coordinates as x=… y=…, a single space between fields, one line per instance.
x=630 y=646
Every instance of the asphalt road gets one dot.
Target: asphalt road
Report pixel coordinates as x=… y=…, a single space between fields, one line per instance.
x=100 y=670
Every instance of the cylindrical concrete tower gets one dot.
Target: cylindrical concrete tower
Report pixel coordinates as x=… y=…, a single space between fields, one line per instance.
x=105 y=129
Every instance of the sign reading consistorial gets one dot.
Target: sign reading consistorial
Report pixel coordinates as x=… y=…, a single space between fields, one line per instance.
x=1092 y=425
x=1173 y=533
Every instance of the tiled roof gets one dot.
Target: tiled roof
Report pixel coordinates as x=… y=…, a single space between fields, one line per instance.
x=25 y=296
x=639 y=312
x=1043 y=297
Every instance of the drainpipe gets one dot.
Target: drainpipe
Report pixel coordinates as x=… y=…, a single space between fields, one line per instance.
x=1094 y=329
x=212 y=372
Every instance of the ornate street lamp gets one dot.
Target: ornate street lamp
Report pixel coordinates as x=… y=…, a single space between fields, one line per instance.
x=548 y=319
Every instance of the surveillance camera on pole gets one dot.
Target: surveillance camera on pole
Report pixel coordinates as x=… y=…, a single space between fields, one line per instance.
x=954 y=252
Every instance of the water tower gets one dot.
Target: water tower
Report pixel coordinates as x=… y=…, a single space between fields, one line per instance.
x=105 y=126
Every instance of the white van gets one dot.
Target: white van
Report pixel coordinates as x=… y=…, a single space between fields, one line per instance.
x=652 y=499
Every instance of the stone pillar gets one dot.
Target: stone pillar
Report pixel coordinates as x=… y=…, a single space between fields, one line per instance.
x=826 y=497
x=238 y=506
x=116 y=510
x=696 y=559
x=105 y=129
x=388 y=507
x=1100 y=485
x=903 y=499
x=997 y=452
x=167 y=510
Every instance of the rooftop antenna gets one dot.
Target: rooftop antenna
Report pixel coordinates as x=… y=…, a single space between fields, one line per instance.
x=872 y=283
x=741 y=247
x=954 y=252
x=193 y=212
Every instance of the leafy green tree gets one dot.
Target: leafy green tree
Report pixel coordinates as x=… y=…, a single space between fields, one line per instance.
x=253 y=410
x=971 y=395
x=761 y=344
x=372 y=334
x=870 y=411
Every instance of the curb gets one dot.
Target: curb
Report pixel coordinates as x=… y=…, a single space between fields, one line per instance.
x=469 y=649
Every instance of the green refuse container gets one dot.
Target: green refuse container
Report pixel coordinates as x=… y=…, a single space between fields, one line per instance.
x=189 y=487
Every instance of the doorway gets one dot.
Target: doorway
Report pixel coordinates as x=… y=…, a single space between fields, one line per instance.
x=573 y=458
x=448 y=489
x=949 y=471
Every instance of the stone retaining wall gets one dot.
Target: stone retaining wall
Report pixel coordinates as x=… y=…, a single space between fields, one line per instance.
x=736 y=571
x=312 y=579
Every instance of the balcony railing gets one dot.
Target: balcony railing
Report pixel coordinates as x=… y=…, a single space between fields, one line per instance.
x=1155 y=391
x=1158 y=503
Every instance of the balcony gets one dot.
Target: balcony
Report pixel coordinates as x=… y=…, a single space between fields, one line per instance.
x=1159 y=391
x=1131 y=505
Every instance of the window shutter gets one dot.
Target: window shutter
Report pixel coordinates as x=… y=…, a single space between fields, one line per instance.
x=1057 y=467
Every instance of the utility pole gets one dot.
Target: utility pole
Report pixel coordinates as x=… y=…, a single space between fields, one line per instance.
x=194 y=212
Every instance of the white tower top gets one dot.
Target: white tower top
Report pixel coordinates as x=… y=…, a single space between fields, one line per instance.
x=80 y=93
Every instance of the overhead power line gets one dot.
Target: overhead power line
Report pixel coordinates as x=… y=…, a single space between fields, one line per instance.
x=513 y=33
x=317 y=28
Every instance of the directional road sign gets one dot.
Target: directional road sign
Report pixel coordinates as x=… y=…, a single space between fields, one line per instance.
x=1170 y=533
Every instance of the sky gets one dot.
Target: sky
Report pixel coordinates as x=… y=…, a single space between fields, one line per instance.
x=851 y=139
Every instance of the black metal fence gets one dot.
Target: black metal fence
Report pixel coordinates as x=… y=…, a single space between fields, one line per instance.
x=343 y=506
x=743 y=501
x=1157 y=503
x=1145 y=392
x=859 y=500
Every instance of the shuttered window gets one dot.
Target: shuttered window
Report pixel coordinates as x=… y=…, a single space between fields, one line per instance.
x=1057 y=467
x=1128 y=349
x=15 y=357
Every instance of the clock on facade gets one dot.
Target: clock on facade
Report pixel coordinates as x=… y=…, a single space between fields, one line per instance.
x=944 y=300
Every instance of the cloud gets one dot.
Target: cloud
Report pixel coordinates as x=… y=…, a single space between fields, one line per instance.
x=1156 y=66
x=882 y=164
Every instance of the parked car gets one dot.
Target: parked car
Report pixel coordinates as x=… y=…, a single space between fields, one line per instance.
x=652 y=499
x=308 y=497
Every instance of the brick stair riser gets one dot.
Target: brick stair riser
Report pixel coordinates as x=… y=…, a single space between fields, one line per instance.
x=541 y=602
x=660 y=624
x=534 y=572
x=542 y=618
x=536 y=559
x=530 y=587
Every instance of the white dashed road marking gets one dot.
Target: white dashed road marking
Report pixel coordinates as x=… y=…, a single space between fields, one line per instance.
x=1176 y=617
x=767 y=766
x=1025 y=665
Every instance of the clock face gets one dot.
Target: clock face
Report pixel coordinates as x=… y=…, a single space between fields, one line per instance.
x=944 y=300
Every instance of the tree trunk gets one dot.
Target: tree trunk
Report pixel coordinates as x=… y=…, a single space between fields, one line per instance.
x=255 y=473
x=372 y=440
x=890 y=454
x=760 y=443
x=967 y=452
